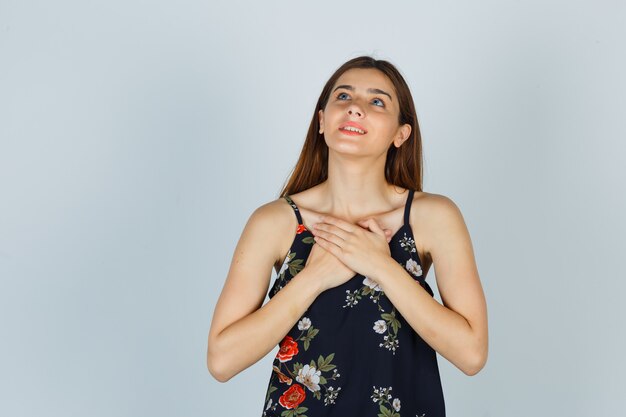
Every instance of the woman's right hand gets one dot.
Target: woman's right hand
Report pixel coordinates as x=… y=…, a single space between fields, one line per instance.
x=328 y=268
x=325 y=267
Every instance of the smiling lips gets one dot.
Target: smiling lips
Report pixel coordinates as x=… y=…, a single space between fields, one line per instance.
x=352 y=128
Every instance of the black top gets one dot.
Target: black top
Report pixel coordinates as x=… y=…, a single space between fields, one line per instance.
x=352 y=353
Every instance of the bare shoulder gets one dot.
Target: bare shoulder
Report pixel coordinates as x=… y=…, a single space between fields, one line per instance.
x=435 y=217
x=438 y=207
x=275 y=222
x=273 y=213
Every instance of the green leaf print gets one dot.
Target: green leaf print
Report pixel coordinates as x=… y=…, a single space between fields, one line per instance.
x=385 y=412
x=325 y=365
x=295 y=412
x=387 y=316
x=389 y=323
x=295 y=266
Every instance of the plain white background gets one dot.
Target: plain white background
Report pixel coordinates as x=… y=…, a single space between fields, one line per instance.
x=136 y=137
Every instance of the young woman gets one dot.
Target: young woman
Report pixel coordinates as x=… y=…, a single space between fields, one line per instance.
x=352 y=238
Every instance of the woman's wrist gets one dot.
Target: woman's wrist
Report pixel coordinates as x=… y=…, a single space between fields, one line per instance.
x=310 y=282
x=382 y=268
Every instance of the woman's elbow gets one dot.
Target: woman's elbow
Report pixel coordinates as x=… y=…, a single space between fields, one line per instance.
x=214 y=364
x=476 y=364
x=215 y=371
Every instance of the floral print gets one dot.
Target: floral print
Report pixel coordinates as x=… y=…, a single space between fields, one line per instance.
x=312 y=377
x=382 y=396
x=354 y=327
x=413 y=267
x=389 y=324
x=388 y=407
x=408 y=244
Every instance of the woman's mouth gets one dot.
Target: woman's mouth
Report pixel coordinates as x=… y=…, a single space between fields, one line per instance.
x=352 y=131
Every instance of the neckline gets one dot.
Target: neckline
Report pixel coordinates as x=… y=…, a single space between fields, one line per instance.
x=404 y=226
x=405 y=216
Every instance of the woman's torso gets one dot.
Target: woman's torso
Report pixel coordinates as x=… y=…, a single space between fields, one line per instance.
x=352 y=352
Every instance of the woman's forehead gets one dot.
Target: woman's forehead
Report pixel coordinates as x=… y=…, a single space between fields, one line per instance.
x=364 y=79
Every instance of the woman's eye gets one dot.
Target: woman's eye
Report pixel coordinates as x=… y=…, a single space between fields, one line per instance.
x=382 y=103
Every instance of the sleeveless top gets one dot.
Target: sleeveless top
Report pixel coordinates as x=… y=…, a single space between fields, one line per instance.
x=352 y=353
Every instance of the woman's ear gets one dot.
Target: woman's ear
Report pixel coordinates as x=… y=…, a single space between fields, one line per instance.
x=321 y=117
x=404 y=133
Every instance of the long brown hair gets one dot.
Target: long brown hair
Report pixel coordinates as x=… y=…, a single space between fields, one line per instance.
x=403 y=166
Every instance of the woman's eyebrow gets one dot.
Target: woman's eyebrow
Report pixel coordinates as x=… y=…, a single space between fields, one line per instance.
x=369 y=90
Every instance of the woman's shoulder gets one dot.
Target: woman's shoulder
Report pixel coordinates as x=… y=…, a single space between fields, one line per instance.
x=277 y=213
x=432 y=201
x=431 y=212
x=273 y=223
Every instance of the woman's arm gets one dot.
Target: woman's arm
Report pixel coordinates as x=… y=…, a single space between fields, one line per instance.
x=457 y=329
x=242 y=332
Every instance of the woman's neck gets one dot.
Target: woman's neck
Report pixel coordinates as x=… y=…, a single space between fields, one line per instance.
x=356 y=188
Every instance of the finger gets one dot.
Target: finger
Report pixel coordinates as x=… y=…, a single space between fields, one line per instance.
x=329 y=246
x=330 y=228
x=330 y=237
x=347 y=226
x=373 y=225
x=365 y=223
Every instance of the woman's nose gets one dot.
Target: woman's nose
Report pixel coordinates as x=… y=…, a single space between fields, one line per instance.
x=353 y=109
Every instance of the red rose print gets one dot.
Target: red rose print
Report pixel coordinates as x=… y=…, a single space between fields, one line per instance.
x=300 y=229
x=288 y=348
x=292 y=397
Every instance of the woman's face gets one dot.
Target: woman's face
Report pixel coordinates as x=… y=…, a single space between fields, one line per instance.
x=365 y=99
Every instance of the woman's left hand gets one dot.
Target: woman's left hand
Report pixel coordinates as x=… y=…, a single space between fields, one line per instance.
x=362 y=247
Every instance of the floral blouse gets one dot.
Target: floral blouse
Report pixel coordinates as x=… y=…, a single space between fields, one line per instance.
x=352 y=353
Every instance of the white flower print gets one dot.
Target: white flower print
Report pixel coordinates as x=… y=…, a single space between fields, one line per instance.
x=407 y=243
x=269 y=404
x=309 y=377
x=390 y=343
x=372 y=284
x=396 y=404
x=382 y=396
x=413 y=267
x=304 y=324
x=370 y=288
x=352 y=298
x=331 y=395
x=380 y=326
